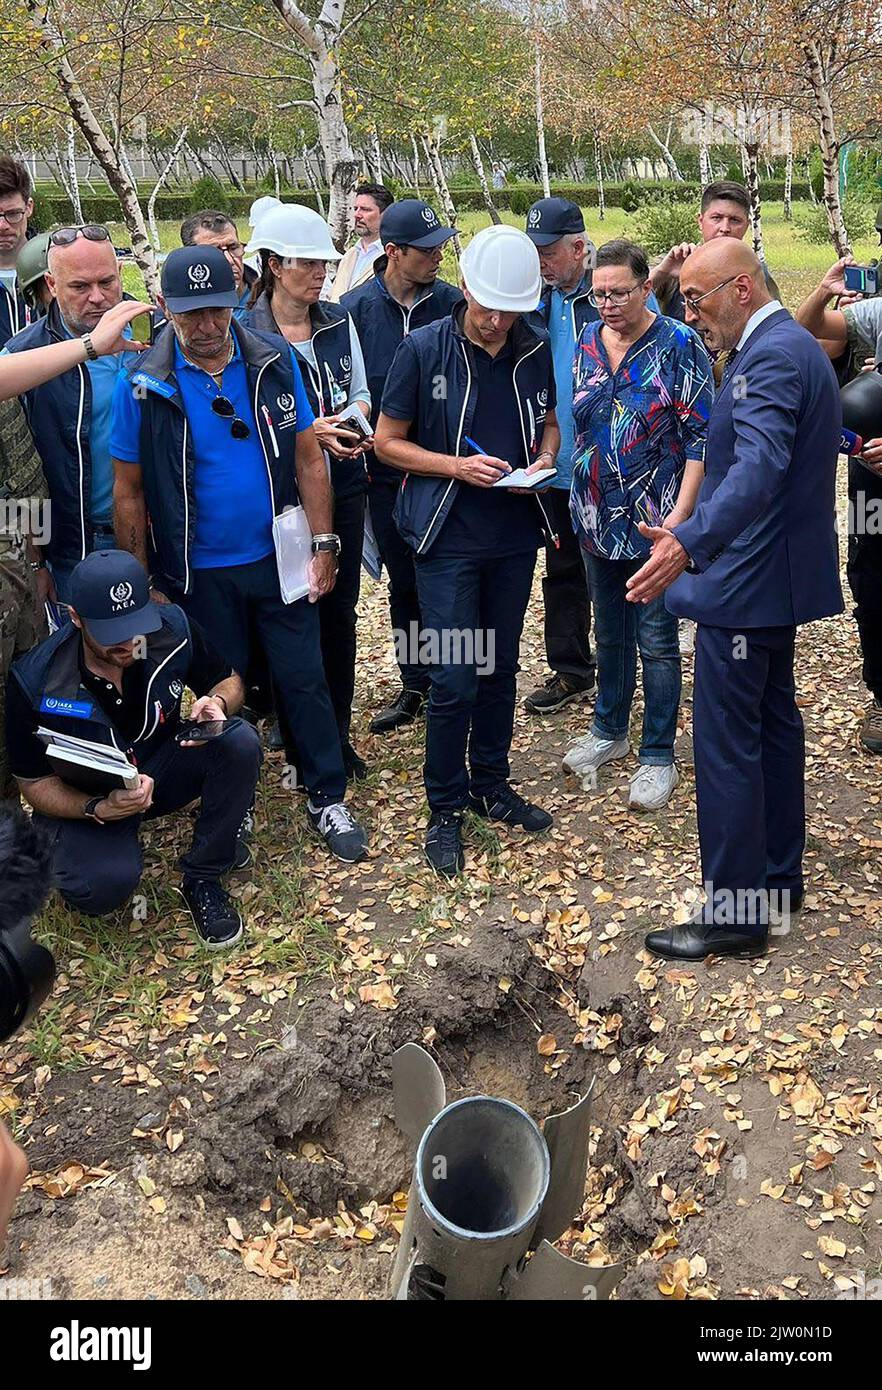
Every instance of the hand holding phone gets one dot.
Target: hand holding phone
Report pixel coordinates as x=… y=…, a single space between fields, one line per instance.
x=861 y=279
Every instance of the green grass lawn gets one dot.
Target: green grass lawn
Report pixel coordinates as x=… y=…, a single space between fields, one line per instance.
x=796 y=264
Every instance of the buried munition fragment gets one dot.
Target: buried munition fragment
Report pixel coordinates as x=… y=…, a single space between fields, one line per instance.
x=488 y=1188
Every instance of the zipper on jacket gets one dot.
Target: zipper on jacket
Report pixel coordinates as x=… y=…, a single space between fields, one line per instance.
x=178 y=648
x=459 y=430
x=186 y=509
x=82 y=465
x=257 y=412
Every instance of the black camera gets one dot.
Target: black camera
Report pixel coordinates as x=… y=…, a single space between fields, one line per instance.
x=27 y=970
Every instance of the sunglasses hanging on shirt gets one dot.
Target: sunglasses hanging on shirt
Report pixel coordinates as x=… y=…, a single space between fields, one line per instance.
x=227 y=411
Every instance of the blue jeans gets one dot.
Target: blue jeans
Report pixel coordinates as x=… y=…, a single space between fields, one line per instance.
x=620 y=628
x=102 y=539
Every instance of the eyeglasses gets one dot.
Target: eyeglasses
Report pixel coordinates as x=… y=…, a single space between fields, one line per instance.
x=597 y=298
x=13 y=216
x=692 y=304
x=66 y=236
x=231 y=248
x=227 y=411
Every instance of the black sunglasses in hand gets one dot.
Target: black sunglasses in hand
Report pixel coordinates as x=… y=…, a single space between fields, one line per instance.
x=227 y=411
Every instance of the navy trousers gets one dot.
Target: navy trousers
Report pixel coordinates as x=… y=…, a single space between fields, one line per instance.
x=97 y=867
x=749 y=746
x=240 y=601
x=397 y=556
x=472 y=703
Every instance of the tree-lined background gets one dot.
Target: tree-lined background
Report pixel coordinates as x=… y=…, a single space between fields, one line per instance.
x=141 y=110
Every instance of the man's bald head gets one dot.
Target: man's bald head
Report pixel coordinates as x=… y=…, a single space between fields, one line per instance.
x=723 y=285
x=84 y=278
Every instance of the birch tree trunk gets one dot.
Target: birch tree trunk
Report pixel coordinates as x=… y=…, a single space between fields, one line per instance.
x=376 y=157
x=319 y=41
x=120 y=181
x=416 y=165
x=482 y=177
x=829 y=149
x=163 y=175
x=704 y=165
x=788 y=183
x=750 y=161
x=71 y=151
x=431 y=145
x=671 y=164
x=598 y=174
x=313 y=182
x=540 y=124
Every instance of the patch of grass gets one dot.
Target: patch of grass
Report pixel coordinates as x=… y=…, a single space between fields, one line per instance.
x=47 y=1045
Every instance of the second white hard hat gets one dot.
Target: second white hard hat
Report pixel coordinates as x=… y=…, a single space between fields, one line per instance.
x=293 y=230
x=500 y=267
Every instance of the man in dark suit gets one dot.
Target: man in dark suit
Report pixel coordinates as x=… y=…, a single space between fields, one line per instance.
x=757 y=557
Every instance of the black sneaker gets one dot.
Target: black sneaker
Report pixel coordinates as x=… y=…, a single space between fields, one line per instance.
x=504 y=804
x=242 y=856
x=218 y=922
x=444 y=843
x=407 y=706
x=557 y=692
x=340 y=831
x=356 y=767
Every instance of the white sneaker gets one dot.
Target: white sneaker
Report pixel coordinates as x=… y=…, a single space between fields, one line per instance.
x=651 y=786
x=686 y=635
x=591 y=752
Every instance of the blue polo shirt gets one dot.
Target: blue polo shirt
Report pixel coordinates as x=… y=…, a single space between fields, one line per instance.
x=104 y=374
x=482 y=521
x=234 y=513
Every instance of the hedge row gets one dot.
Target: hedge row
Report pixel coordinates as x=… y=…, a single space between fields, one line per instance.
x=53 y=209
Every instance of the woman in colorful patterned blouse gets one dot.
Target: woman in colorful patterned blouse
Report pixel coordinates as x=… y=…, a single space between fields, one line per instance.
x=642 y=394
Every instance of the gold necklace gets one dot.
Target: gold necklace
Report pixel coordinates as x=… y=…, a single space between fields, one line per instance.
x=214 y=375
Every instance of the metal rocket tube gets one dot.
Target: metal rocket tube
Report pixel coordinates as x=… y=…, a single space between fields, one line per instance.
x=480 y=1177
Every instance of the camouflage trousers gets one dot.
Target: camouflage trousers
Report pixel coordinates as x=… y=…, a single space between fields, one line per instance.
x=22 y=625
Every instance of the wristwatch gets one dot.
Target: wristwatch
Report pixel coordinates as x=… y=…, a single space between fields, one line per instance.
x=86 y=340
x=328 y=542
x=90 y=808
x=37 y=565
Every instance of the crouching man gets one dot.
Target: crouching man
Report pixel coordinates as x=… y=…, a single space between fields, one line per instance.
x=115 y=675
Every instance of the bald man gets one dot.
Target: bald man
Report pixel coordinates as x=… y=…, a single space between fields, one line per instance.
x=69 y=416
x=757 y=557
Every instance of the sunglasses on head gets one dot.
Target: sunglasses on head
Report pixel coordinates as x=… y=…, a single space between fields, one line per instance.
x=227 y=411
x=66 y=236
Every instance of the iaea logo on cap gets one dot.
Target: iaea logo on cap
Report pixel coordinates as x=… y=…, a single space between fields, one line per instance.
x=199 y=275
x=285 y=402
x=429 y=216
x=121 y=593
x=535 y=217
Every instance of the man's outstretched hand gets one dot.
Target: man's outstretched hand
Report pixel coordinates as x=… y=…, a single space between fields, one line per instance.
x=666 y=563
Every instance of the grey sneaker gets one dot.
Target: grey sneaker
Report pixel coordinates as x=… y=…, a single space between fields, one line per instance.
x=591 y=752
x=871 y=733
x=340 y=831
x=651 y=786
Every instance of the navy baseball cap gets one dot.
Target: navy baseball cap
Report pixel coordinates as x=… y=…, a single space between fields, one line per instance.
x=551 y=218
x=111 y=593
x=411 y=222
x=198 y=277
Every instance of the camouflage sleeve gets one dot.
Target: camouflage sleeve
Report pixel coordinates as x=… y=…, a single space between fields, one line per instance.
x=863 y=324
x=21 y=472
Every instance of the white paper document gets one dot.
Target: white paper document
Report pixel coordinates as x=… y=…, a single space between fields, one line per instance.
x=293 y=541
x=521 y=478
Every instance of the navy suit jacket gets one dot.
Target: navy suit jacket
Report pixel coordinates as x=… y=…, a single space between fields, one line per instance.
x=762 y=537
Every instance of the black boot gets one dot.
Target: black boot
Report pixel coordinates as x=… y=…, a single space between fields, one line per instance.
x=405 y=708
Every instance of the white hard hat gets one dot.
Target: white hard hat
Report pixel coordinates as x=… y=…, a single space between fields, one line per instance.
x=261 y=206
x=500 y=267
x=293 y=230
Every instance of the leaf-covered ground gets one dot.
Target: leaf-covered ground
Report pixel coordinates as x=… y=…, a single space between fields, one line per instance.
x=738 y=1140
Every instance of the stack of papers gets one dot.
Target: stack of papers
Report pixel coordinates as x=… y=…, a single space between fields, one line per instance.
x=91 y=767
